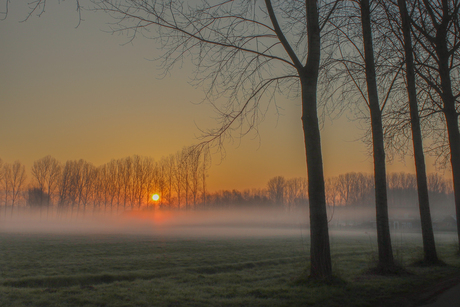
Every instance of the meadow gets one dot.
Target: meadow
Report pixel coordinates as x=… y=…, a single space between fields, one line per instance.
x=88 y=269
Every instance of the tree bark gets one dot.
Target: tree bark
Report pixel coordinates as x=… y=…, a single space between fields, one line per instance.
x=449 y=110
x=454 y=141
x=320 y=250
x=386 y=260
x=429 y=246
x=454 y=135
x=320 y=255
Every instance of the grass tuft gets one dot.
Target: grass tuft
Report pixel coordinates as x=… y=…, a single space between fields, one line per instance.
x=424 y=263
x=392 y=270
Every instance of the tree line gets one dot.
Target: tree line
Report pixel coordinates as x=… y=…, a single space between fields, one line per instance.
x=121 y=184
x=350 y=189
x=180 y=180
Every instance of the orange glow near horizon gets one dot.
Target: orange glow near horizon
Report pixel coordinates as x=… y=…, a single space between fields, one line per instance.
x=124 y=103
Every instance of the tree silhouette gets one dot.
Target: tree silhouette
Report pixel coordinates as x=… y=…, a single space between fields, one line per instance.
x=364 y=70
x=249 y=54
x=430 y=255
x=241 y=51
x=436 y=29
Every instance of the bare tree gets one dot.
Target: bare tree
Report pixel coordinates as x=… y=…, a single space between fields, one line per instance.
x=241 y=51
x=364 y=70
x=17 y=180
x=386 y=260
x=77 y=185
x=170 y=169
x=113 y=183
x=436 y=29
x=296 y=190
x=179 y=175
x=195 y=174
x=125 y=171
x=400 y=28
x=276 y=190
x=47 y=173
x=2 y=182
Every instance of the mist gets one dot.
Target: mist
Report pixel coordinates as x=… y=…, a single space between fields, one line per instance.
x=199 y=223
x=214 y=223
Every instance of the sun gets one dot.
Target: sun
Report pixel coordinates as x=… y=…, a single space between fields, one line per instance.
x=155 y=197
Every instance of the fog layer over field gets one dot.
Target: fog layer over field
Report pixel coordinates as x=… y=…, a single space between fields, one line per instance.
x=162 y=222
x=212 y=223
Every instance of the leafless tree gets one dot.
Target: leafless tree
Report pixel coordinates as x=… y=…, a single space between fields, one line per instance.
x=400 y=29
x=17 y=180
x=125 y=171
x=47 y=173
x=6 y=179
x=248 y=53
x=366 y=70
x=77 y=186
x=239 y=49
x=436 y=29
x=113 y=186
x=296 y=191
x=275 y=189
x=2 y=182
x=195 y=175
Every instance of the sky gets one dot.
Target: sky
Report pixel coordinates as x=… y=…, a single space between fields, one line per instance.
x=83 y=93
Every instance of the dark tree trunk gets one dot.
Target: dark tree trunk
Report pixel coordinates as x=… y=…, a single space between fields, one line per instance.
x=449 y=110
x=454 y=141
x=320 y=254
x=452 y=129
x=429 y=247
x=320 y=250
x=386 y=261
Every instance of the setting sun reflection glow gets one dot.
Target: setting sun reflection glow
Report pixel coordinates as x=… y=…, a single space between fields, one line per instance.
x=155 y=197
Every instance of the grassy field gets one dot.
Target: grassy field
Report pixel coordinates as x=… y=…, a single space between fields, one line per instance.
x=141 y=270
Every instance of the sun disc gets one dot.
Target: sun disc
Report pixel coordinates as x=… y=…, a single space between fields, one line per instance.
x=155 y=197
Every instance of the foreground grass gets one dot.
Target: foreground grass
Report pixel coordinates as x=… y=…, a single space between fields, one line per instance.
x=117 y=270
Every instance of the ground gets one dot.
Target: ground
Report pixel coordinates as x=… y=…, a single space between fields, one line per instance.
x=161 y=270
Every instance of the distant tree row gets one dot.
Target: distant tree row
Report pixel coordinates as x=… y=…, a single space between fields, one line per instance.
x=12 y=180
x=280 y=192
x=357 y=189
x=127 y=183
x=350 y=189
x=180 y=180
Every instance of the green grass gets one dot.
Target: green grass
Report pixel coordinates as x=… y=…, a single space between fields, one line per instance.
x=117 y=270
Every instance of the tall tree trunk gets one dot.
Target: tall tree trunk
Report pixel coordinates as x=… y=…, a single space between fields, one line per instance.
x=454 y=141
x=386 y=260
x=449 y=110
x=429 y=247
x=451 y=116
x=320 y=250
x=320 y=254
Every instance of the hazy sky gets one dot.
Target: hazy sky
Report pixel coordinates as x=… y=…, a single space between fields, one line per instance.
x=80 y=93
